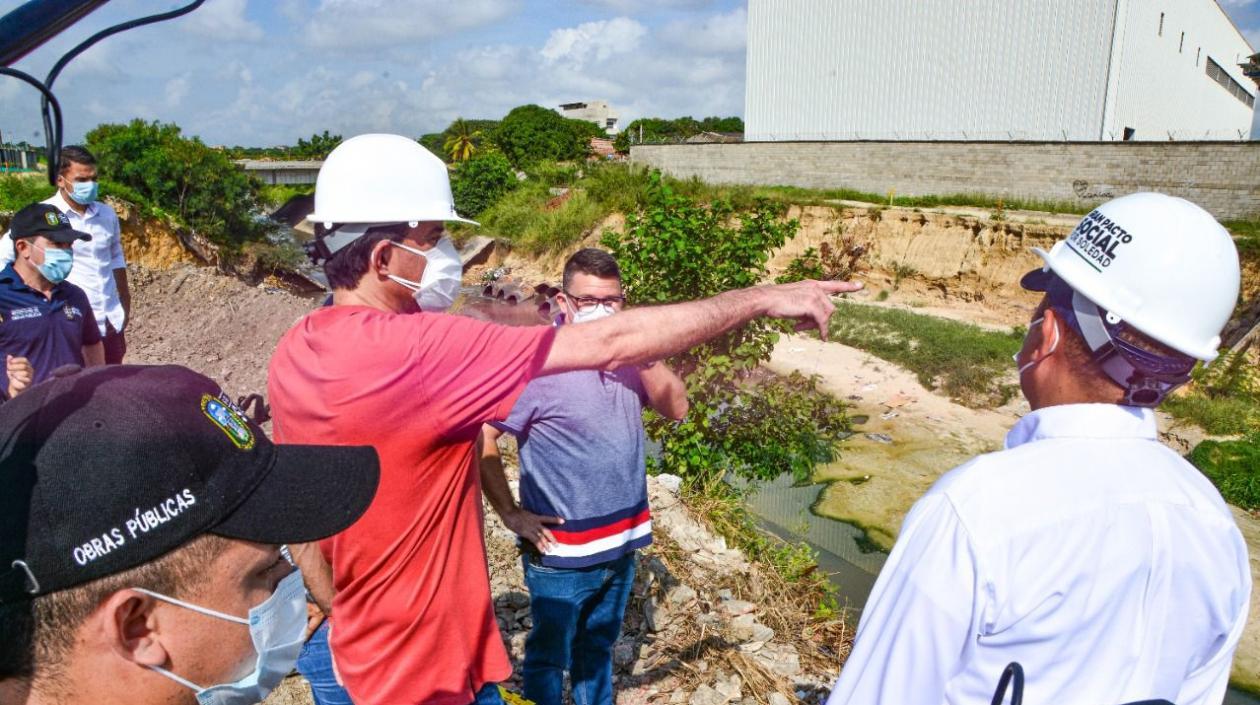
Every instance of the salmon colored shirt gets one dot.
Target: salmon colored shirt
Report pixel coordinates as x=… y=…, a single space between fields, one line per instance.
x=413 y=619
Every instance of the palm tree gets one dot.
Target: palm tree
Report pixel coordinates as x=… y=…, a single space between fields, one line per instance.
x=461 y=141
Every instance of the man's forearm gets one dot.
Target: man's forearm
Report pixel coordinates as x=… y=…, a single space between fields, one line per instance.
x=666 y=393
x=494 y=485
x=316 y=573
x=124 y=290
x=94 y=354
x=652 y=333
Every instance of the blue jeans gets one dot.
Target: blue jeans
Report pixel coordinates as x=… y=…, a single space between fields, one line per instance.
x=488 y=695
x=577 y=616
x=315 y=665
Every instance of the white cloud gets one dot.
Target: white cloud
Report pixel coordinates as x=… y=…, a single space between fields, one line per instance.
x=371 y=78
x=597 y=41
x=176 y=91
x=1253 y=37
x=223 y=20
x=721 y=33
x=633 y=6
x=367 y=24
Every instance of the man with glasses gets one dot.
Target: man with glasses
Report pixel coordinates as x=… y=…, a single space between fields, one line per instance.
x=584 y=508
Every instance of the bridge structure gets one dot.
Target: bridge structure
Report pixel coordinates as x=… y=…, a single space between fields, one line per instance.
x=276 y=172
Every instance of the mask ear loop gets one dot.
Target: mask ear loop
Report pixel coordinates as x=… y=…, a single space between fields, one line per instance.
x=1053 y=346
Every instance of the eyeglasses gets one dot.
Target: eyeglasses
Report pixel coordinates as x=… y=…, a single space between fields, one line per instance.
x=588 y=303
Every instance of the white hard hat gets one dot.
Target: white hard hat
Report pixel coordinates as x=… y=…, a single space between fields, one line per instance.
x=1161 y=265
x=378 y=179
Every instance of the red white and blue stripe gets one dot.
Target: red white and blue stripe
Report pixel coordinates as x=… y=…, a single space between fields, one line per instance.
x=587 y=542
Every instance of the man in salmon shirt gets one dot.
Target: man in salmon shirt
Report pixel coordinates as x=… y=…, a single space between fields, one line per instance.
x=412 y=617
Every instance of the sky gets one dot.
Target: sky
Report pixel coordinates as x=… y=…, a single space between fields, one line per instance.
x=267 y=72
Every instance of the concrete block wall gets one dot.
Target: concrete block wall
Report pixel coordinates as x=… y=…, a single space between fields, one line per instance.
x=1223 y=177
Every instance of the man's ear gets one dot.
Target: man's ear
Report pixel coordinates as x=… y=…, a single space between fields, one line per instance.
x=1047 y=341
x=379 y=260
x=131 y=626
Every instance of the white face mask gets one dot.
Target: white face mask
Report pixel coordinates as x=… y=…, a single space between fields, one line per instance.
x=443 y=275
x=1053 y=346
x=593 y=314
x=277 y=627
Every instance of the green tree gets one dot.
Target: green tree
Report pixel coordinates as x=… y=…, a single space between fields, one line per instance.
x=200 y=186
x=481 y=181
x=653 y=130
x=461 y=140
x=318 y=147
x=676 y=249
x=434 y=142
x=531 y=133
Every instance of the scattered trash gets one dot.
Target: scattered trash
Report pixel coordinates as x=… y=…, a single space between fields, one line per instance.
x=899 y=400
x=879 y=437
x=888 y=415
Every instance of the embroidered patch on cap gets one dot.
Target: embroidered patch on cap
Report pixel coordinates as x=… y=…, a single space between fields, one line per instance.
x=53 y=219
x=229 y=420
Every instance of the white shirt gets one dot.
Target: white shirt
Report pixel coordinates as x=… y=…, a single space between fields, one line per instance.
x=1097 y=558
x=94 y=260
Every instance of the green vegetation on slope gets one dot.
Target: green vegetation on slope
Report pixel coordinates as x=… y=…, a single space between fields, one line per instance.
x=1224 y=398
x=1234 y=467
x=17 y=191
x=967 y=362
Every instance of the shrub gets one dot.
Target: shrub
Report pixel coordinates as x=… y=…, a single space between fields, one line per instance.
x=19 y=191
x=676 y=249
x=200 y=186
x=481 y=181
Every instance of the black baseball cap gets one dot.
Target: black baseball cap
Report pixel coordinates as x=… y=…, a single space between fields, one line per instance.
x=109 y=468
x=44 y=219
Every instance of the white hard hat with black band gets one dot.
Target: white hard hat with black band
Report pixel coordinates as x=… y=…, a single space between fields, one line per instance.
x=1152 y=264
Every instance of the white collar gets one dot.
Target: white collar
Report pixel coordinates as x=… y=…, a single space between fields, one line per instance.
x=1083 y=421
x=60 y=202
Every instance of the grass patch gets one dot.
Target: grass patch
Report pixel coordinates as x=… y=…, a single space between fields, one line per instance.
x=796 y=195
x=965 y=361
x=1246 y=236
x=1234 y=467
x=18 y=191
x=1224 y=398
x=524 y=218
x=1219 y=416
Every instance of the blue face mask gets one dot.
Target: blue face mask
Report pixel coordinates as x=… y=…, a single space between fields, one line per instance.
x=57 y=264
x=277 y=627
x=85 y=192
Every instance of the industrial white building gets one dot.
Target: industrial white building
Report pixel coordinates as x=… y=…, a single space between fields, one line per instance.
x=996 y=70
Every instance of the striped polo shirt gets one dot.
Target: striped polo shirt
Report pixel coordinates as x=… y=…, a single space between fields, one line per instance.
x=581 y=444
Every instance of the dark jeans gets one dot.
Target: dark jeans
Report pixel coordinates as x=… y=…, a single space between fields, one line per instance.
x=315 y=665
x=577 y=616
x=115 y=343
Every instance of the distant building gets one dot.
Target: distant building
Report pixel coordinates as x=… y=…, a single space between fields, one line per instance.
x=996 y=70
x=596 y=111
